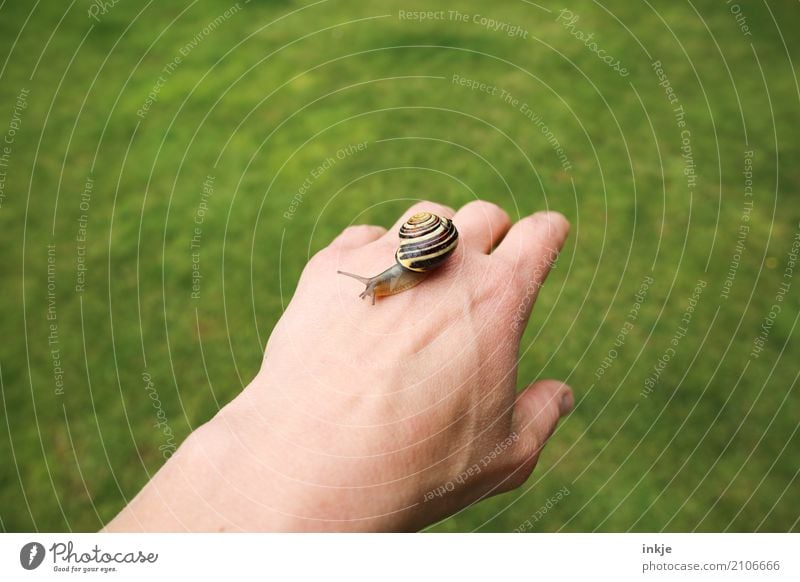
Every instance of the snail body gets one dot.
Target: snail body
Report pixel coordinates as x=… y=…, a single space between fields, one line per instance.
x=427 y=240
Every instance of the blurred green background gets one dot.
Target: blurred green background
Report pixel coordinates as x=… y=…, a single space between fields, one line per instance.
x=118 y=114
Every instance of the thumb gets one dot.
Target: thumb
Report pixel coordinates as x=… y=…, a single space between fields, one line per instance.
x=537 y=412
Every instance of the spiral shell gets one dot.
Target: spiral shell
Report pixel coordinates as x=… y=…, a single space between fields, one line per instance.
x=426 y=241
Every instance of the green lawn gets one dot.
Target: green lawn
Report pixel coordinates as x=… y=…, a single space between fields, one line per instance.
x=139 y=129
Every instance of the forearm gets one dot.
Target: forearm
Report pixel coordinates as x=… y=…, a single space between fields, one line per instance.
x=213 y=483
x=184 y=494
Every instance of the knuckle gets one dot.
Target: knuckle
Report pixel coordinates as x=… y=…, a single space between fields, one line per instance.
x=356 y=232
x=489 y=209
x=375 y=231
x=321 y=258
x=532 y=227
x=354 y=229
x=519 y=473
x=542 y=227
x=434 y=207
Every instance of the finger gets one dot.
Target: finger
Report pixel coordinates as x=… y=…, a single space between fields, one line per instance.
x=531 y=247
x=431 y=207
x=534 y=242
x=357 y=236
x=481 y=225
x=537 y=412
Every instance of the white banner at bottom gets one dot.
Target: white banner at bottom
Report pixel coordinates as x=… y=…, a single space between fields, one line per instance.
x=400 y=557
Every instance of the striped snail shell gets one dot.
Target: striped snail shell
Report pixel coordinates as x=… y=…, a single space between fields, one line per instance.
x=427 y=240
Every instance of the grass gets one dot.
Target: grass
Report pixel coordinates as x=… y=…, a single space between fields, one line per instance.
x=266 y=96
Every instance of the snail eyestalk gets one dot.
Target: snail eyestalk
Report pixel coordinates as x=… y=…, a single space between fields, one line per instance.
x=428 y=240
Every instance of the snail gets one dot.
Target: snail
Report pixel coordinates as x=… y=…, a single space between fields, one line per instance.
x=427 y=240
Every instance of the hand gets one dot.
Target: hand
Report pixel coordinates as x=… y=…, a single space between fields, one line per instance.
x=384 y=417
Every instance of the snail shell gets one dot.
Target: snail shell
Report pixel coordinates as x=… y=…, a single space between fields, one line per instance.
x=427 y=241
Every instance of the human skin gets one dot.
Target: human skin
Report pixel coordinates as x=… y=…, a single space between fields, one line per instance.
x=375 y=417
